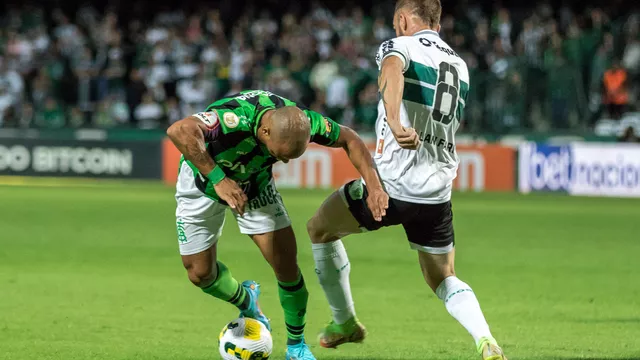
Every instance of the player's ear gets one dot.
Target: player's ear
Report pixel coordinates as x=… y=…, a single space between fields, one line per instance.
x=402 y=22
x=438 y=29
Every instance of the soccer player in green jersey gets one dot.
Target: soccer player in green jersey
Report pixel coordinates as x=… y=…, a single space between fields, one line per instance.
x=228 y=153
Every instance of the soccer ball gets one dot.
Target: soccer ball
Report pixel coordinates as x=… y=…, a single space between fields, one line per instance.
x=245 y=339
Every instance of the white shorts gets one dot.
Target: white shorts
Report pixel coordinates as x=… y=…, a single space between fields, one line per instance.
x=199 y=219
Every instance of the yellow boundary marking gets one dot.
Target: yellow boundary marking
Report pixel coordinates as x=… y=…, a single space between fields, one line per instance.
x=72 y=182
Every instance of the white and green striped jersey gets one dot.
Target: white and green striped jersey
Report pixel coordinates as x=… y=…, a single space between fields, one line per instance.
x=436 y=84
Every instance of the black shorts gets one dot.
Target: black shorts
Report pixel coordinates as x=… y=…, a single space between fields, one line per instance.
x=429 y=227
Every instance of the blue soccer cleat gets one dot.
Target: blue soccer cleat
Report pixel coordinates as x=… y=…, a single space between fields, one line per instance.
x=299 y=352
x=254 y=312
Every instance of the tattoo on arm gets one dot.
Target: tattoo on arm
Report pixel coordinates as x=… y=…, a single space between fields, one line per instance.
x=383 y=89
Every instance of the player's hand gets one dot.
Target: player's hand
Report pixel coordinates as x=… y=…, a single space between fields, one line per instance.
x=232 y=194
x=378 y=203
x=407 y=138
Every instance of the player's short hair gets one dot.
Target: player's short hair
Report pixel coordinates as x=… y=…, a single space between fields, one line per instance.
x=428 y=11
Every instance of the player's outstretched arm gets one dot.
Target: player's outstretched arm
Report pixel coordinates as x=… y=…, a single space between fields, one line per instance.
x=188 y=135
x=378 y=200
x=391 y=87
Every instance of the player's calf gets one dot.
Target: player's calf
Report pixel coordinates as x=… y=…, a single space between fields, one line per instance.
x=459 y=300
x=330 y=223
x=279 y=249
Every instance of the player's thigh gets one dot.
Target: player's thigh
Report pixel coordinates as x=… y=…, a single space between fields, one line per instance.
x=430 y=230
x=346 y=212
x=264 y=214
x=437 y=267
x=333 y=220
x=199 y=223
x=431 y=233
x=267 y=222
x=280 y=250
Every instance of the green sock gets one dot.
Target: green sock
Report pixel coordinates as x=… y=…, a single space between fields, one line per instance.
x=293 y=298
x=226 y=288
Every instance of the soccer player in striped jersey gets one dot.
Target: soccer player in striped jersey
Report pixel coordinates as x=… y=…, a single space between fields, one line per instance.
x=228 y=153
x=423 y=85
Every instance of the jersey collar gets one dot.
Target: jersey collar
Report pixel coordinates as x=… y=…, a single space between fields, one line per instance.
x=425 y=32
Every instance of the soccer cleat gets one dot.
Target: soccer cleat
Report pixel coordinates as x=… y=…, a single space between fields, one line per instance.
x=254 y=312
x=299 y=351
x=490 y=350
x=335 y=335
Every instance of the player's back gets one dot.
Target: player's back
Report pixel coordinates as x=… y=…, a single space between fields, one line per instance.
x=436 y=84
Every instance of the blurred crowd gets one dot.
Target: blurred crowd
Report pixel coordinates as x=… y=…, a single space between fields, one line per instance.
x=532 y=68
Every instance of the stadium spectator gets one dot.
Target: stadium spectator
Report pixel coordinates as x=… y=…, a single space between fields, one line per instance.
x=616 y=93
x=367 y=110
x=535 y=67
x=148 y=113
x=629 y=136
x=51 y=116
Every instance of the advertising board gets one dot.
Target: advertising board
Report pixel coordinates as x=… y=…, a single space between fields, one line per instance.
x=588 y=169
x=75 y=158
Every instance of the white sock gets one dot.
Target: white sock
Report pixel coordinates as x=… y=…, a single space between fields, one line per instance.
x=463 y=305
x=333 y=268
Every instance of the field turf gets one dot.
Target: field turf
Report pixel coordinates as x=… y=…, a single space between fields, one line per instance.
x=92 y=272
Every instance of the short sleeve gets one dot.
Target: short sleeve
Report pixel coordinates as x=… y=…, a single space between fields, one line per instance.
x=229 y=120
x=209 y=118
x=394 y=47
x=324 y=131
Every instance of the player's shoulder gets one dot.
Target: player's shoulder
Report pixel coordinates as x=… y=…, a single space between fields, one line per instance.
x=436 y=50
x=452 y=57
x=397 y=41
x=228 y=119
x=398 y=44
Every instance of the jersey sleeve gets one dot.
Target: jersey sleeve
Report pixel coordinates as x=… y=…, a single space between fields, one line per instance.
x=324 y=131
x=394 y=47
x=222 y=121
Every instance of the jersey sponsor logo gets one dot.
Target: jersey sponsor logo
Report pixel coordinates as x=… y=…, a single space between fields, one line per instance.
x=268 y=197
x=439 y=142
x=208 y=118
x=254 y=93
x=231 y=120
x=182 y=237
x=237 y=167
x=428 y=43
x=380 y=146
x=233 y=167
x=327 y=125
x=387 y=47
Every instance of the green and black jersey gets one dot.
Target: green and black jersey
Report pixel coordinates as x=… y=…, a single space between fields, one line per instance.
x=233 y=143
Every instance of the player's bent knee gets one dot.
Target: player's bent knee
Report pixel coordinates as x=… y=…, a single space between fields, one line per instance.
x=318 y=233
x=201 y=274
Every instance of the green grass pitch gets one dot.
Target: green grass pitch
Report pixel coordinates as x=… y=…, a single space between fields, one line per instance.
x=94 y=273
